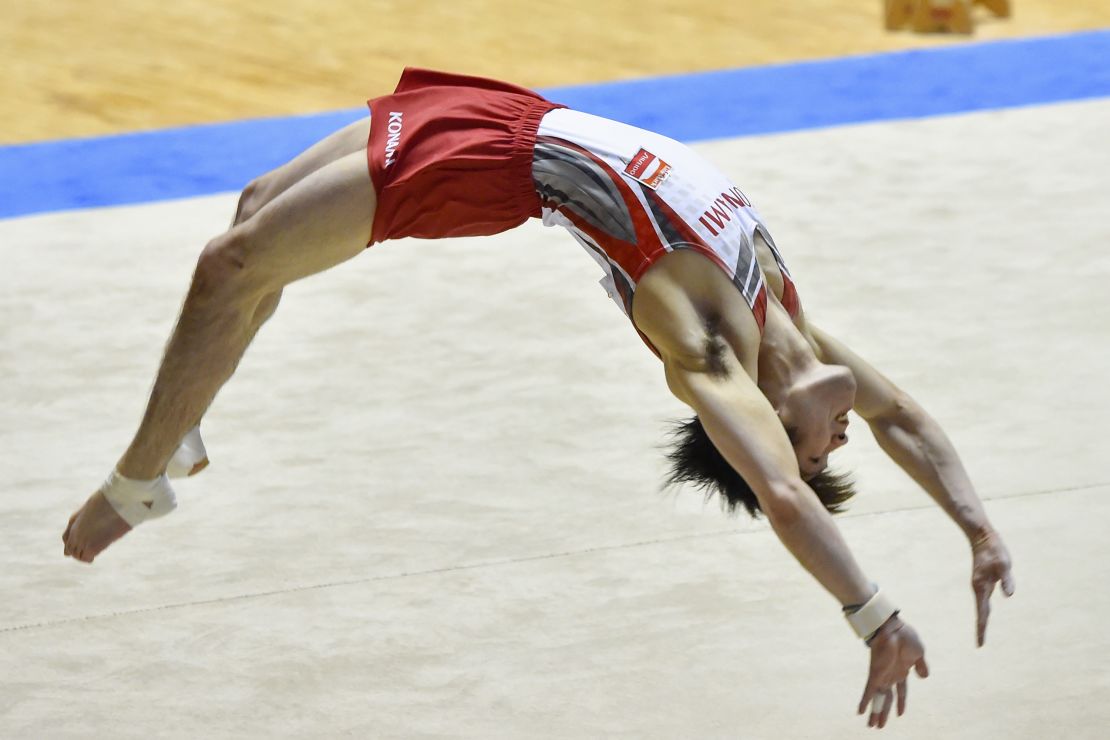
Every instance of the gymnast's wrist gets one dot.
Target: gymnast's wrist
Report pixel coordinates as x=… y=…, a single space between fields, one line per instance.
x=980 y=536
x=869 y=618
x=888 y=628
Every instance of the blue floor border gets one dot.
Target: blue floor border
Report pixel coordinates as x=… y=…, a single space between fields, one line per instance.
x=205 y=159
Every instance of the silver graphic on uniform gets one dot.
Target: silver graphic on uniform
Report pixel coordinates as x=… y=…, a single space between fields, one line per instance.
x=579 y=166
x=573 y=181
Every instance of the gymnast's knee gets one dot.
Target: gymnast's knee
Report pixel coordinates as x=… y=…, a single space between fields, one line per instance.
x=254 y=196
x=225 y=275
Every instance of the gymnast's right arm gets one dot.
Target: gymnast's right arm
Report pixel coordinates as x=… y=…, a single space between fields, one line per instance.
x=745 y=429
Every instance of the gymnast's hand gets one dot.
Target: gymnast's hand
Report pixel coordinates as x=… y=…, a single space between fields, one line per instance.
x=990 y=563
x=895 y=648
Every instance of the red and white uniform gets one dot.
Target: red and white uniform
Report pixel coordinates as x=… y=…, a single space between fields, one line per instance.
x=452 y=155
x=630 y=196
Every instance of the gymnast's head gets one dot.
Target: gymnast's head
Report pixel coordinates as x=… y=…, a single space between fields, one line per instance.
x=813 y=410
x=695 y=461
x=814 y=414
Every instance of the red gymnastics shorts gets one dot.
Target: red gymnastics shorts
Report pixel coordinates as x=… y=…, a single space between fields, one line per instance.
x=451 y=156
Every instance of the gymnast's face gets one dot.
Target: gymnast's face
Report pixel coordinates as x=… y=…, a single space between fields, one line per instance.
x=815 y=415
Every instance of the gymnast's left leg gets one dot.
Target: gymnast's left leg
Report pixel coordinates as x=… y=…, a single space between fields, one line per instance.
x=321 y=220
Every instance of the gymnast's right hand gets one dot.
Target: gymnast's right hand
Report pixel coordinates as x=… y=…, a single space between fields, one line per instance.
x=895 y=648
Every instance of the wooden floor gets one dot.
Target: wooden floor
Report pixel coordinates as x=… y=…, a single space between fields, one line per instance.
x=74 y=68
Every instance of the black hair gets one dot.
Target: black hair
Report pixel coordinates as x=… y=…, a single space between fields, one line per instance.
x=694 y=460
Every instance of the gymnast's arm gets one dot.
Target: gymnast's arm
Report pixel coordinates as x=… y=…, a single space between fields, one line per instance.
x=911 y=437
x=708 y=376
x=916 y=442
x=745 y=429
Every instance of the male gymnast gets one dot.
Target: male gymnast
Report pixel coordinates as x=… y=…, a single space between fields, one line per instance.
x=684 y=255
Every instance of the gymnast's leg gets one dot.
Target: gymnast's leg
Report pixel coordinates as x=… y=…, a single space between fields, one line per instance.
x=191 y=456
x=322 y=219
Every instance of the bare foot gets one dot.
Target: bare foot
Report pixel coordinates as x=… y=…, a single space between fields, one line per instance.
x=92 y=528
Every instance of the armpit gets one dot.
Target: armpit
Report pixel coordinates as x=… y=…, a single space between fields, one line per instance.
x=716 y=350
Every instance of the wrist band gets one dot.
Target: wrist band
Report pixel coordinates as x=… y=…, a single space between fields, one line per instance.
x=139 y=500
x=872 y=615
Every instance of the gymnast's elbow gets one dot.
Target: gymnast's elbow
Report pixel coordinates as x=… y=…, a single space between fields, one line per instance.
x=784 y=502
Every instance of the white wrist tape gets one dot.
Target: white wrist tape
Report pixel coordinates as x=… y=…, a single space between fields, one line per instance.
x=872 y=615
x=139 y=500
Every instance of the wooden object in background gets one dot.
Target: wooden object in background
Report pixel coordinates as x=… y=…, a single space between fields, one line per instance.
x=1001 y=8
x=943 y=16
x=938 y=16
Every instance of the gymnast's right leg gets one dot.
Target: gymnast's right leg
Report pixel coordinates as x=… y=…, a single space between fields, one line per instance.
x=191 y=456
x=320 y=220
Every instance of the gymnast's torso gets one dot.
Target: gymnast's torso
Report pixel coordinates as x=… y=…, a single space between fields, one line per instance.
x=451 y=155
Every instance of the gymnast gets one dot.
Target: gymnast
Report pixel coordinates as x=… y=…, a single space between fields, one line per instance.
x=684 y=255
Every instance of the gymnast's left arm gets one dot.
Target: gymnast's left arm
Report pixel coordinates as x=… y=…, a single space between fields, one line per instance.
x=914 y=440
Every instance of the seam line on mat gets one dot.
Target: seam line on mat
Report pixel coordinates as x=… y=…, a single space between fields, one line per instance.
x=495 y=563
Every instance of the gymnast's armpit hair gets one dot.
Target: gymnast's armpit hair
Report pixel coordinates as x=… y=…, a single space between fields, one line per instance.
x=695 y=461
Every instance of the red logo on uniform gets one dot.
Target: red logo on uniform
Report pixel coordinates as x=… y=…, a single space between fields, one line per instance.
x=647 y=168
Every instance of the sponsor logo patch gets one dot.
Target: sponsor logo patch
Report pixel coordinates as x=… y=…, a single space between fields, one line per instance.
x=648 y=169
x=393 y=137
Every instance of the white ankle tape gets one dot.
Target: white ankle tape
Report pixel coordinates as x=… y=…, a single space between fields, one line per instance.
x=872 y=615
x=190 y=452
x=139 y=500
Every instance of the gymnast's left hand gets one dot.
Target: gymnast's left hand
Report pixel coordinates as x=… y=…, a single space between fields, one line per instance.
x=990 y=564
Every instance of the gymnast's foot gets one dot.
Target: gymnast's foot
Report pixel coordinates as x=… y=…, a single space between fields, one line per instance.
x=99 y=523
x=92 y=528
